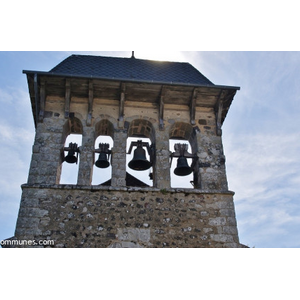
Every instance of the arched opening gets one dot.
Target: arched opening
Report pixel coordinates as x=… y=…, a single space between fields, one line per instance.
x=138 y=177
x=179 y=181
x=69 y=173
x=140 y=159
x=104 y=142
x=71 y=140
x=102 y=166
x=183 y=146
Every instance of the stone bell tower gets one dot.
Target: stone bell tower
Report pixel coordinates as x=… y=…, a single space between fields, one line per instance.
x=142 y=106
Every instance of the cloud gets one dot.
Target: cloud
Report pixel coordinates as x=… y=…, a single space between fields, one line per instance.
x=263 y=170
x=262 y=142
x=16 y=138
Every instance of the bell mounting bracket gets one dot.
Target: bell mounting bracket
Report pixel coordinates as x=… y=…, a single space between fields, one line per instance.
x=103 y=148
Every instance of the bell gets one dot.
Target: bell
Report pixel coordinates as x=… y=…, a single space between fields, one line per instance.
x=71 y=158
x=102 y=161
x=139 y=161
x=72 y=149
x=183 y=169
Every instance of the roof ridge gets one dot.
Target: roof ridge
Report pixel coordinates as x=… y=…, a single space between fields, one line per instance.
x=133 y=58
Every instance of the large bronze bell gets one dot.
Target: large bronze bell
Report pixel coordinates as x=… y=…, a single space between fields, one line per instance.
x=102 y=161
x=183 y=169
x=139 y=161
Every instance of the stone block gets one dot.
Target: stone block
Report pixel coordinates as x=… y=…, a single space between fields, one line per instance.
x=223 y=238
x=133 y=234
x=230 y=230
x=219 y=221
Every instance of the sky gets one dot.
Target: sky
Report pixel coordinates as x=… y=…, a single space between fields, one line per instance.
x=261 y=136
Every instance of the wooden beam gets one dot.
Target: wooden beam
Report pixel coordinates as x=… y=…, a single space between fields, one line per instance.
x=90 y=105
x=218 y=112
x=219 y=119
x=161 y=108
x=122 y=102
x=42 y=100
x=67 y=98
x=36 y=97
x=193 y=106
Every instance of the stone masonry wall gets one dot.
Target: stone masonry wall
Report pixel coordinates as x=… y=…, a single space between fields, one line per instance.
x=50 y=136
x=84 y=216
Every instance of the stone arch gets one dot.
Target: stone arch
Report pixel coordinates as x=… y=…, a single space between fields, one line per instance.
x=72 y=125
x=184 y=131
x=141 y=128
x=104 y=127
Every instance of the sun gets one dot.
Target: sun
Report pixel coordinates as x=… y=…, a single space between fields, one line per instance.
x=161 y=55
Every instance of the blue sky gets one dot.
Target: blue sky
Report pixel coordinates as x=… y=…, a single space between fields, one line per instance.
x=260 y=135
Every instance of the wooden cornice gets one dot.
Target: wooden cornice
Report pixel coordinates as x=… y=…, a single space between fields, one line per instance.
x=43 y=85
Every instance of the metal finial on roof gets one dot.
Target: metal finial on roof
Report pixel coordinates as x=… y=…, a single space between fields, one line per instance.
x=132 y=54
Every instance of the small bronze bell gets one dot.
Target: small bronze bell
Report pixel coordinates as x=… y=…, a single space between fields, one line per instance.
x=71 y=158
x=183 y=169
x=102 y=161
x=104 y=154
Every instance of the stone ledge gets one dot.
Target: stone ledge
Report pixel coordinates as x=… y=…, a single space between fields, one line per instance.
x=124 y=189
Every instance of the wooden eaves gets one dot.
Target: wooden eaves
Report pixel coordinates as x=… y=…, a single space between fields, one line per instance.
x=43 y=84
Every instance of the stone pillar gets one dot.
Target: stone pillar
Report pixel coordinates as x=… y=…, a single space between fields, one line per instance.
x=162 y=178
x=118 y=159
x=212 y=171
x=85 y=173
x=45 y=164
x=220 y=160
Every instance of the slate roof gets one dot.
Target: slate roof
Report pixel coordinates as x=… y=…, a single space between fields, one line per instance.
x=130 y=69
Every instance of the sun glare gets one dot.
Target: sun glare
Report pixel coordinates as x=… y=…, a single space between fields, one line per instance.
x=161 y=55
